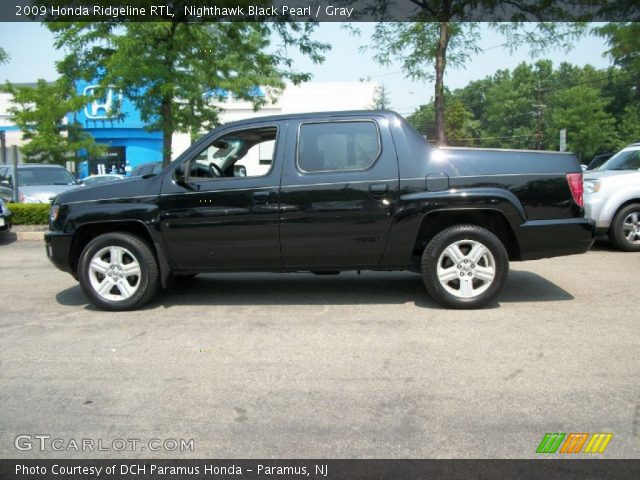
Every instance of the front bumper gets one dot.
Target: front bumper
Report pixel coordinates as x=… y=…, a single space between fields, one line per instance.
x=553 y=238
x=58 y=246
x=595 y=207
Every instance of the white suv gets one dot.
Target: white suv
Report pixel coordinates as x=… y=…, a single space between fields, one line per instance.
x=612 y=198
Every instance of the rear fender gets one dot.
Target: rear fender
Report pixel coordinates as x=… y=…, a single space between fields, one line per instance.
x=418 y=207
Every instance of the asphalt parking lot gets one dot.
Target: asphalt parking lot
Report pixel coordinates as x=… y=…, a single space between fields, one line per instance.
x=296 y=365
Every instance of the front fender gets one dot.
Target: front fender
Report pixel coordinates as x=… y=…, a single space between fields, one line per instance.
x=611 y=204
x=110 y=213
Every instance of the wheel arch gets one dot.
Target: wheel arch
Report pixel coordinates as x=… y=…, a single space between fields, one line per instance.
x=88 y=231
x=493 y=220
x=624 y=204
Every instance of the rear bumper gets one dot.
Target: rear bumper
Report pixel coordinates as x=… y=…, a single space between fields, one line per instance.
x=554 y=238
x=58 y=246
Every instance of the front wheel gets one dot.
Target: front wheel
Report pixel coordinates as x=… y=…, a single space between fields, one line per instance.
x=118 y=271
x=625 y=228
x=464 y=266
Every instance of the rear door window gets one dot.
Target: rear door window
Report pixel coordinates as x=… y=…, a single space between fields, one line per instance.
x=338 y=146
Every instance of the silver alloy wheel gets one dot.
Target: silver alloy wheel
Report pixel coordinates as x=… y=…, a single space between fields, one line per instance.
x=631 y=228
x=114 y=273
x=466 y=269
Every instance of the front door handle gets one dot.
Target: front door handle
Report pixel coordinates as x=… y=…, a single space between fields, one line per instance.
x=261 y=198
x=379 y=189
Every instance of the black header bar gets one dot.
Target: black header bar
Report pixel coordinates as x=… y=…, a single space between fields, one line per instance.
x=119 y=469
x=318 y=10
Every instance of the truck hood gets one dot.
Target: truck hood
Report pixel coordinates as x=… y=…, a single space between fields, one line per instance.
x=43 y=193
x=119 y=190
x=598 y=174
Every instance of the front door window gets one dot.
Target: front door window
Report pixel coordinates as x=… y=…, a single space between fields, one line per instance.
x=247 y=153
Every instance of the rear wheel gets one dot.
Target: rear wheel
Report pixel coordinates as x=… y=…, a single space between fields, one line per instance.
x=625 y=228
x=118 y=271
x=464 y=266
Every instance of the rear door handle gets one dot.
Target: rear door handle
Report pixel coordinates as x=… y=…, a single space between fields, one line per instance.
x=261 y=198
x=378 y=189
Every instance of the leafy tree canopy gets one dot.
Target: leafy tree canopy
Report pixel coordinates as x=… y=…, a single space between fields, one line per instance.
x=441 y=36
x=381 y=99
x=527 y=107
x=41 y=113
x=171 y=71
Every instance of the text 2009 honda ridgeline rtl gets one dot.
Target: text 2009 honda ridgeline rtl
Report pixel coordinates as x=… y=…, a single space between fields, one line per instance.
x=322 y=192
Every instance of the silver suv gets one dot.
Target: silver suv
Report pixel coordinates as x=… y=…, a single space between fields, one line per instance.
x=612 y=198
x=37 y=183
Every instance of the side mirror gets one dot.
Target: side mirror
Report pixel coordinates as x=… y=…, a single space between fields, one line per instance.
x=584 y=167
x=179 y=175
x=239 y=171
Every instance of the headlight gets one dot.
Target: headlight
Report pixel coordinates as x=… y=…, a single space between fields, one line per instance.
x=28 y=199
x=53 y=213
x=592 y=186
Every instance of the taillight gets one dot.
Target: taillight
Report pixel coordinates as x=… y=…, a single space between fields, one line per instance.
x=577 y=188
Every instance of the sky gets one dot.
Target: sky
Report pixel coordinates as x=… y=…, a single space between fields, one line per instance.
x=33 y=56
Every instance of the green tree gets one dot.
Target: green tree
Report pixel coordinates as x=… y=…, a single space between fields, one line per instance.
x=440 y=38
x=41 y=113
x=629 y=127
x=172 y=70
x=423 y=120
x=527 y=106
x=380 y=98
x=582 y=111
x=623 y=39
x=424 y=49
x=517 y=106
x=4 y=56
x=461 y=127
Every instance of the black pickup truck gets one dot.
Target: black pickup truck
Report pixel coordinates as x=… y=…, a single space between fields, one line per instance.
x=322 y=192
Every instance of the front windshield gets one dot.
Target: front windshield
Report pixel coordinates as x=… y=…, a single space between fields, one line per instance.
x=627 y=159
x=28 y=177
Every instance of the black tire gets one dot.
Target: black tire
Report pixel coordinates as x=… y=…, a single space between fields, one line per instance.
x=464 y=237
x=146 y=282
x=617 y=233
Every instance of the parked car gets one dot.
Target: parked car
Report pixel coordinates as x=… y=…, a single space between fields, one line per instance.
x=612 y=198
x=37 y=183
x=5 y=217
x=151 y=168
x=323 y=192
x=97 y=179
x=597 y=161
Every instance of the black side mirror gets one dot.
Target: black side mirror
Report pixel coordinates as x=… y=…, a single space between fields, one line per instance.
x=179 y=175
